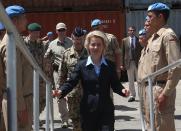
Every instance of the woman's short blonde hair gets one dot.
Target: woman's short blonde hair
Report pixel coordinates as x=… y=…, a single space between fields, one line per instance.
x=98 y=34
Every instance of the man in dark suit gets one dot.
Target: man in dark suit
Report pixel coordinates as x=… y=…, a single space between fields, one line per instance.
x=131 y=51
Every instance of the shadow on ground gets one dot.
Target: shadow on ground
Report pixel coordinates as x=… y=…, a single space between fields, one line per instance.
x=57 y=126
x=60 y=129
x=124 y=108
x=178 y=117
x=125 y=118
x=55 y=121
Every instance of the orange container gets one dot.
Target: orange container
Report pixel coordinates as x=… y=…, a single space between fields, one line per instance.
x=114 y=21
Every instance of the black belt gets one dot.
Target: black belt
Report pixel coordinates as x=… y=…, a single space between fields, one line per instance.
x=161 y=82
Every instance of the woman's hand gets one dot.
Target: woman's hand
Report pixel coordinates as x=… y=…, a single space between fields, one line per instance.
x=125 y=92
x=56 y=93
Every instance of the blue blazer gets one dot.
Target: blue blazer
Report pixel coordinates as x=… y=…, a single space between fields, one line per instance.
x=96 y=89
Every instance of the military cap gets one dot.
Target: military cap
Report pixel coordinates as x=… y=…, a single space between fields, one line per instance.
x=15 y=10
x=142 y=32
x=49 y=33
x=2 y=26
x=158 y=7
x=96 y=22
x=61 y=26
x=78 y=32
x=34 y=27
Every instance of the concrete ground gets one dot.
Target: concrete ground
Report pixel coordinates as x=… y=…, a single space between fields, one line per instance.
x=127 y=114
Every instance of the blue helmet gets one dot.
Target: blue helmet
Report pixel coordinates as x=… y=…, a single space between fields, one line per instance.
x=15 y=10
x=158 y=7
x=96 y=22
x=1 y=26
x=142 y=32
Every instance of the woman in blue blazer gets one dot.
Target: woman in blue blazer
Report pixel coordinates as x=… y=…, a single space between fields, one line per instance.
x=97 y=75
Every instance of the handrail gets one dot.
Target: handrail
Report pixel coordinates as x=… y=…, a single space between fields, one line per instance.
x=150 y=78
x=163 y=70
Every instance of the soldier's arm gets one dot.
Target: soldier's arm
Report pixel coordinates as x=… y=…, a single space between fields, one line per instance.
x=62 y=72
x=117 y=54
x=172 y=48
x=48 y=51
x=122 y=54
x=48 y=60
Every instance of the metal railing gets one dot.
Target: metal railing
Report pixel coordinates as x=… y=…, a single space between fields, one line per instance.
x=16 y=41
x=150 y=78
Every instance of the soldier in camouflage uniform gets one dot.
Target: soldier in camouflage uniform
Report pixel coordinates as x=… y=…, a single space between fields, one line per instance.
x=36 y=48
x=47 y=39
x=70 y=59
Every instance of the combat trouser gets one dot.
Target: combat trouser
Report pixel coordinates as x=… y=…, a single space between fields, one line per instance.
x=164 y=119
x=74 y=112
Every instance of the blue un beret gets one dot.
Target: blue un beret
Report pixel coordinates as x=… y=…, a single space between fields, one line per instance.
x=15 y=10
x=78 y=32
x=158 y=7
x=96 y=22
x=1 y=26
x=34 y=27
x=49 y=33
x=142 y=32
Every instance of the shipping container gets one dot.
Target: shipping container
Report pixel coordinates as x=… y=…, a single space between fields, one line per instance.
x=66 y=5
x=114 y=21
x=137 y=19
x=143 y=4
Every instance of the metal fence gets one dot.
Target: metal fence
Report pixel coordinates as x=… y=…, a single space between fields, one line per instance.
x=16 y=41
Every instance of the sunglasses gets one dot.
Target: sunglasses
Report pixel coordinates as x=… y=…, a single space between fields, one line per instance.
x=61 y=30
x=131 y=30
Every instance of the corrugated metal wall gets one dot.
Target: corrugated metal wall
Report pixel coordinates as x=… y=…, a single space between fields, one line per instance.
x=66 y=5
x=137 y=19
x=114 y=21
x=143 y=4
x=149 y=1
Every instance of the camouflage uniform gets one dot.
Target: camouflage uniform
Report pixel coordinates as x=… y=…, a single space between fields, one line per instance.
x=24 y=87
x=37 y=50
x=70 y=59
x=113 y=47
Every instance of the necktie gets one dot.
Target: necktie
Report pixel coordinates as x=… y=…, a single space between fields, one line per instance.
x=132 y=49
